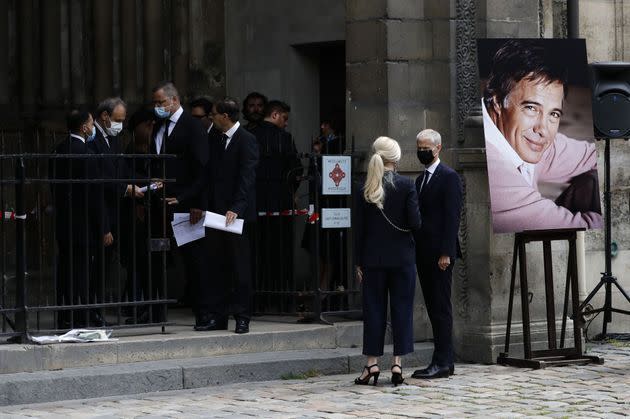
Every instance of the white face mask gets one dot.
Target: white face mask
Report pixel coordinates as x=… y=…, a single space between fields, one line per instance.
x=115 y=128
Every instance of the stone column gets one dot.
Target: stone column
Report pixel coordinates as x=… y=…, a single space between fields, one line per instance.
x=49 y=14
x=103 y=75
x=152 y=46
x=128 y=58
x=179 y=46
x=78 y=60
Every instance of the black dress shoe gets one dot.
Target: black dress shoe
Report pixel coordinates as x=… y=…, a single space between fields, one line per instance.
x=242 y=326
x=424 y=371
x=433 y=371
x=211 y=324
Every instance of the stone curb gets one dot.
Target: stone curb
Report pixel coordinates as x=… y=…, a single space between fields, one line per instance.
x=144 y=377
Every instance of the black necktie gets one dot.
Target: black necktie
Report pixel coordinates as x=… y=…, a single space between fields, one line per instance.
x=224 y=139
x=425 y=180
x=165 y=135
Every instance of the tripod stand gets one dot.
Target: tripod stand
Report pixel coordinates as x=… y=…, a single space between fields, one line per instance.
x=607 y=280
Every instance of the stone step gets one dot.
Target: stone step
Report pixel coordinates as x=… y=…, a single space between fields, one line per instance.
x=151 y=376
x=180 y=342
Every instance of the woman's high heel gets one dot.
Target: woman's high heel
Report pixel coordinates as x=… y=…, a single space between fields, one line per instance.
x=366 y=380
x=397 y=377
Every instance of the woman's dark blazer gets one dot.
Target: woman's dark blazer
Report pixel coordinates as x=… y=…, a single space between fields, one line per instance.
x=377 y=243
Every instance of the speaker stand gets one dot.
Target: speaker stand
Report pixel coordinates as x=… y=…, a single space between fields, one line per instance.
x=607 y=280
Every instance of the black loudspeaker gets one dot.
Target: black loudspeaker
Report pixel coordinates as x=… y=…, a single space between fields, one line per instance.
x=611 y=99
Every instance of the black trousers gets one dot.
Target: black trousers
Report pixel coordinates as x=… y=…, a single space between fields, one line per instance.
x=436 y=288
x=399 y=285
x=229 y=283
x=195 y=258
x=73 y=281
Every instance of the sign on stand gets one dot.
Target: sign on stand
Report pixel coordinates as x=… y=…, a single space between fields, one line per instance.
x=336 y=175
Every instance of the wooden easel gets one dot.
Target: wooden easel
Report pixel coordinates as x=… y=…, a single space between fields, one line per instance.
x=552 y=356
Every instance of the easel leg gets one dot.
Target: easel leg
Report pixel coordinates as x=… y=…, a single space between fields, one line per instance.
x=527 y=344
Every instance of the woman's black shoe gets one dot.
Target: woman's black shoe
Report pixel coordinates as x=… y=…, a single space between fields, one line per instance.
x=366 y=380
x=397 y=377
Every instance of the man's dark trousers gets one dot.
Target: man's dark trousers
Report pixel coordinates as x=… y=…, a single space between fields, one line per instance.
x=436 y=288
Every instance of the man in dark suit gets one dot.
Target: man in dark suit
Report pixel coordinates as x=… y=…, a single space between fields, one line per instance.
x=440 y=194
x=231 y=179
x=75 y=228
x=110 y=115
x=276 y=182
x=179 y=133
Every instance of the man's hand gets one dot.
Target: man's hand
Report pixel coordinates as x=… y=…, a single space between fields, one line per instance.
x=196 y=215
x=444 y=262
x=359 y=274
x=230 y=217
x=171 y=201
x=134 y=191
x=108 y=239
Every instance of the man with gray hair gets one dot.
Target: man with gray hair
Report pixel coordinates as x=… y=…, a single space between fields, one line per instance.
x=440 y=196
x=108 y=120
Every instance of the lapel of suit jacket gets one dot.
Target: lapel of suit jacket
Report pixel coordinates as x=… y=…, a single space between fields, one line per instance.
x=434 y=177
x=233 y=139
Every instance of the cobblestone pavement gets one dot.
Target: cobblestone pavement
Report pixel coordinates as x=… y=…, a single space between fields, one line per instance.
x=474 y=391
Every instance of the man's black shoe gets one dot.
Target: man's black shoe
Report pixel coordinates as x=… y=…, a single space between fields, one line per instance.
x=242 y=326
x=424 y=371
x=211 y=324
x=433 y=371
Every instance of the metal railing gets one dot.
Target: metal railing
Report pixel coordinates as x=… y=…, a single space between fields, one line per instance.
x=302 y=269
x=56 y=272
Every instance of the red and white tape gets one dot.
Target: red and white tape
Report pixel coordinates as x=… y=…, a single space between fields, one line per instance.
x=11 y=215
x=312 y=215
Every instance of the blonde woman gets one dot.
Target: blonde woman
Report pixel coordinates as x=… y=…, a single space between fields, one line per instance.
x=386 y=212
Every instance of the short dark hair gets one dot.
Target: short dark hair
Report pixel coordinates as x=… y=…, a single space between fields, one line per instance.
x=108 y=105
x=253 y=95
x=202 y=102
x=276 y=106
x=76 y=118
x=522 y=59
x=228 y=106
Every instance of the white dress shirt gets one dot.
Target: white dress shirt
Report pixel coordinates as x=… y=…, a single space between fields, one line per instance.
x=102 y=132
x=159 y=138
x=429 y=172
x=79 y=137
x=496 y=138
x=230 y=133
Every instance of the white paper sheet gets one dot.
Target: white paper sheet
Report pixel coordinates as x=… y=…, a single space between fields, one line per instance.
x=185 y=232
x=217 y=221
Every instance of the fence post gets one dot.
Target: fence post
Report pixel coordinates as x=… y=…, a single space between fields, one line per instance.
x=20 y=251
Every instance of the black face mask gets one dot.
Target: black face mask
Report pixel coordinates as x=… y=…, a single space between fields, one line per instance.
x=425 y=156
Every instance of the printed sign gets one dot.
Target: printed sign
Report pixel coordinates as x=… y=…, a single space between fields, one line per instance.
x=336 y=218
x=336 y=175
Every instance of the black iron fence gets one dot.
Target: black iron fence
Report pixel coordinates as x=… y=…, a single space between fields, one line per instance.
x=57 y=272
x=302 y=268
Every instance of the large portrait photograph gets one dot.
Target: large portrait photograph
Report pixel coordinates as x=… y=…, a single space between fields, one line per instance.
x=538 y=128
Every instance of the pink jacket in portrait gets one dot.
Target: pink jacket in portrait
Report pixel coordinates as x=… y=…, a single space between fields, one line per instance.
x=517 y=206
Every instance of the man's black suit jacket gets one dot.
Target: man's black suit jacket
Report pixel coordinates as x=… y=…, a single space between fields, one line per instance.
x=188 y=141
x=277 y=169
x=75 y=209
x=440 y=208
x=109 y=168
x=230 y=176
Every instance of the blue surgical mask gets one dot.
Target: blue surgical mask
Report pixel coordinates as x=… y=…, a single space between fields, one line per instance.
x=161 y=112
x=92 y=136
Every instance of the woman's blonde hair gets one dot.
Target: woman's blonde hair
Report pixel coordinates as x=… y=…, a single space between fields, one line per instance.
x=386 y=150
